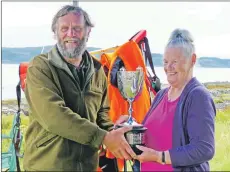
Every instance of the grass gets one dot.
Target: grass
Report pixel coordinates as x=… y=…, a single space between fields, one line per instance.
x=220 y=162
x=13 y=102
x=6 y=128
x=10 y=101
x=225 y=97
x=217 y=86
x=222 y=98
x=218 y=100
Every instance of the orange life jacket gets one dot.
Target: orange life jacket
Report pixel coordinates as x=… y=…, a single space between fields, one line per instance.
x=132 y=58
x=22 y=74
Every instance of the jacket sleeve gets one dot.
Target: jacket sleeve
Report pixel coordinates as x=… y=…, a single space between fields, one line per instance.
x=200 y=128
x=49 y=109
x=103 y=119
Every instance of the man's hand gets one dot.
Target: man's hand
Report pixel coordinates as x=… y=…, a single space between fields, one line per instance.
x=121 y=119
x=116 y=143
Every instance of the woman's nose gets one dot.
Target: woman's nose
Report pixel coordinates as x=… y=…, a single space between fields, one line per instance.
x=169 y=66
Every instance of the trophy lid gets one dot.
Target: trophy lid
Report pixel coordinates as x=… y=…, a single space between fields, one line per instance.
x=133 y=124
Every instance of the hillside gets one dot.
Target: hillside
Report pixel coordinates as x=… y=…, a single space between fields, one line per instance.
x=208 y=62
x=17 y=55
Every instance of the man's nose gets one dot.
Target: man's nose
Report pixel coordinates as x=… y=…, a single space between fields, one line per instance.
x=70 y=32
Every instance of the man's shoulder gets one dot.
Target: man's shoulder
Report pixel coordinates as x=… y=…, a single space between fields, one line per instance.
x=97 y=64
x=40 y=60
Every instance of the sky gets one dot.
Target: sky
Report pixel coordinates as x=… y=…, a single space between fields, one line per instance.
x=28 y=24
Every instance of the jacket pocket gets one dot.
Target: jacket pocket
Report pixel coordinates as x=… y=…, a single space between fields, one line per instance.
x=45 y=139
x=97 y=90
x=96 y=86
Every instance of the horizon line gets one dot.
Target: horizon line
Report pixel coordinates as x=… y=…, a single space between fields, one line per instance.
x=215 y=56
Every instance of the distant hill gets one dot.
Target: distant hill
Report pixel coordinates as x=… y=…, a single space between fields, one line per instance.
x=208 y=62
x=214 y=62
x=18 y=55
x=157 y=59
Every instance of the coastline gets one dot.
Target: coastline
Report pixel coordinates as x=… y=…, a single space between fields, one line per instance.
x=220 y=92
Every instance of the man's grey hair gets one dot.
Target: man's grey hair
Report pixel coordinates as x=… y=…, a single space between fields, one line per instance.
x=71 y=9
x=182 y=38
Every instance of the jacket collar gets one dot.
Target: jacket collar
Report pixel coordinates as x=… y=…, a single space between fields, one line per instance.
x=191 y=84
x=55 y=58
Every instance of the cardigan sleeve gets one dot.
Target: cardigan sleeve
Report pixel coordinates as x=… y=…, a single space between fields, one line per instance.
x=200 y=129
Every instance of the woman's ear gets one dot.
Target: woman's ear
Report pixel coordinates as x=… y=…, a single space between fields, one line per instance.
x=194 y=59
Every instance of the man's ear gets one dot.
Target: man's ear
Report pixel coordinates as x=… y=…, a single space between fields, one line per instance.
x=55 y=36
x=88 y=31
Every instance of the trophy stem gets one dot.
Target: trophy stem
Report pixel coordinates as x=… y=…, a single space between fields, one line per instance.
x=130 y=119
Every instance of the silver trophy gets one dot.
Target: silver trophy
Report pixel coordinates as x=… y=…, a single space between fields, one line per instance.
x=130 y=84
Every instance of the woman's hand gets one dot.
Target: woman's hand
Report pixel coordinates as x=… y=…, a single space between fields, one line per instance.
x=148 y=154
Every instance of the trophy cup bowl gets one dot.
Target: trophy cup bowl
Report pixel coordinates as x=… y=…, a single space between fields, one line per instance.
x=130 y=84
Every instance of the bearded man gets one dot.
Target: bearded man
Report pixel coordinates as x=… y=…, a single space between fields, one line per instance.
x=66 y=90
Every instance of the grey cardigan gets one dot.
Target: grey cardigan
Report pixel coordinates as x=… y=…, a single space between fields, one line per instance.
x=193 y=143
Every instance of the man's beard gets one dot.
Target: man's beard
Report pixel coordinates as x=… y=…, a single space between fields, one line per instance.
x=72 y=52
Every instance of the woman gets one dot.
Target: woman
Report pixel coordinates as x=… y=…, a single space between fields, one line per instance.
x=180 y=122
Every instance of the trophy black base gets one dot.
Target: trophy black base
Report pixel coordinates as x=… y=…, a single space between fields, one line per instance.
x=135 y=137
x=136 y=150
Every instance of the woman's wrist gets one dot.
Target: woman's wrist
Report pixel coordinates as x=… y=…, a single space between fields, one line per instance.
x=159 y=157
x=167 y=158
x=163 y=157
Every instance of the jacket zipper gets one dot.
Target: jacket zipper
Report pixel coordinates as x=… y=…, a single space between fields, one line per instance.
x=80 y=166
x=81 y=149
x=83 y=105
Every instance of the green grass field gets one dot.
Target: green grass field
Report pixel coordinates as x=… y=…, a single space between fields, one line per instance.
x=220 y=162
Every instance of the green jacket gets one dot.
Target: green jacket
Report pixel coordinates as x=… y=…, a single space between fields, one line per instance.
x=66 y=124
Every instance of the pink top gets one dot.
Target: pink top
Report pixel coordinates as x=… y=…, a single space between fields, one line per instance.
x=159 y=132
